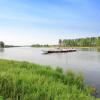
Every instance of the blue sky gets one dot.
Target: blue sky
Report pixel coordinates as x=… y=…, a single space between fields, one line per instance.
x=45 y=21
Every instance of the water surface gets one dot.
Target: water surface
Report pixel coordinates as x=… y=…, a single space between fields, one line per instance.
x=86 y=61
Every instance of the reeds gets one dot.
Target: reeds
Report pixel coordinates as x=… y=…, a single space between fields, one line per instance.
x=26 y=81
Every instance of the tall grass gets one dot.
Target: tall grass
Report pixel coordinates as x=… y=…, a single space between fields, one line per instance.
x=26 y=81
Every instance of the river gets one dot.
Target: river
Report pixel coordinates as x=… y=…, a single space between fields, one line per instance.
x=86 y=61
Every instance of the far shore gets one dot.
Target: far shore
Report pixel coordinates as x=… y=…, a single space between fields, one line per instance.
x=81 y=47
x=66 y=47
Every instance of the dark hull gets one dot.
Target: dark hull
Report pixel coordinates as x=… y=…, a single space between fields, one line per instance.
x=58 y=51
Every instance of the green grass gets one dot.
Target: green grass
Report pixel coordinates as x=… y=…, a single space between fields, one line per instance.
x=27 y=81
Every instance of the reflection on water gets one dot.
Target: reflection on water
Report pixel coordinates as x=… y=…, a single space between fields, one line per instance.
x=1 y=49
x=98 y=49
x=88 y=49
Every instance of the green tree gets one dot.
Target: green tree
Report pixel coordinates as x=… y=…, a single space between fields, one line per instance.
x=60 y=42
x=98 y=41
x=2 y=44
x=91 y=41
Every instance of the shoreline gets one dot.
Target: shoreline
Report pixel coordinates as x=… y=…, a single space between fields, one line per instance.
x=81 y=47
x=7 y=65
x=65 y=47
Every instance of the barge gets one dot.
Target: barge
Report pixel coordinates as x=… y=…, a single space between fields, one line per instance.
x=58 y=51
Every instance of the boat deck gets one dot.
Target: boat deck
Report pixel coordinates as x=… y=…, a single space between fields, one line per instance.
x=58 y=51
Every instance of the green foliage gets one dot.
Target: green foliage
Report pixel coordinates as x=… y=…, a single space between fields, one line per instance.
x=26 y=81
x=1 y=98
x=60 y=42
x=39 y=45
x=2 y=44
x=92 y=41
x=58 y=69
x=98 y=41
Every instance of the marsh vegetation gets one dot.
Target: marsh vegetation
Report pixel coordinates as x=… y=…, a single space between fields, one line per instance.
x=27 y=81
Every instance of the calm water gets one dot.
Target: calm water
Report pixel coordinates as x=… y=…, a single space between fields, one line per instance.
x=86 y=61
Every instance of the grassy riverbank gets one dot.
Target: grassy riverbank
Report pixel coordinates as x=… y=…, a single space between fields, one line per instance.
x=96 y=47
x=26 y=81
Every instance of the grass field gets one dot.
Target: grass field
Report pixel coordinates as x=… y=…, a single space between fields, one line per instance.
x=27 y=81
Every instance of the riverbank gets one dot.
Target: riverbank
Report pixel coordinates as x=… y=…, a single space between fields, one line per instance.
x=27 y=81
x=81 y=47
x=77 y=47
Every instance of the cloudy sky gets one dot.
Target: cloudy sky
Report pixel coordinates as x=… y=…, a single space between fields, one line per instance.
x=25 y=22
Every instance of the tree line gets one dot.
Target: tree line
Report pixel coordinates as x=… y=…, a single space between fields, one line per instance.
x=89 y=41
x=3 y=45
x=40 y=45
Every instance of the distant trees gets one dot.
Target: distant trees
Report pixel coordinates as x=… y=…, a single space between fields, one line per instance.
x=2 y=45
x=98 y=41
x=92 y=41
x=60 y=42
x=39 y=45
